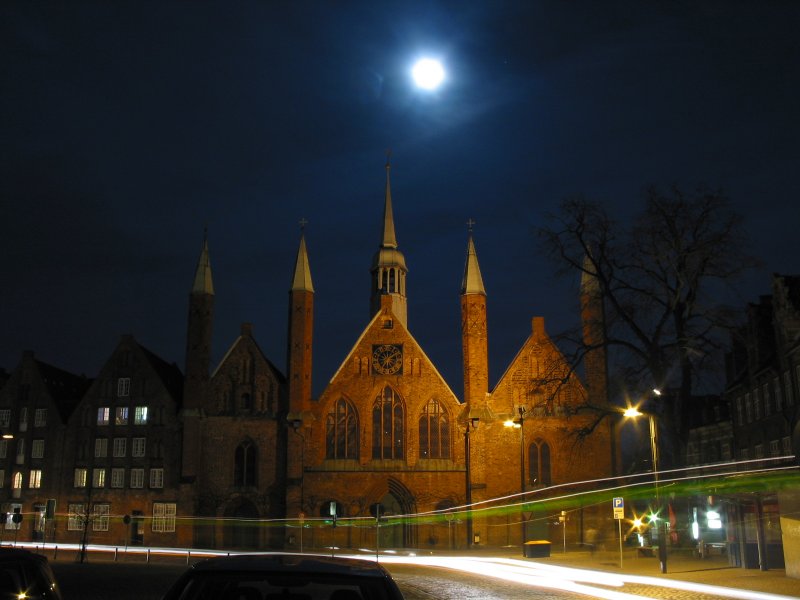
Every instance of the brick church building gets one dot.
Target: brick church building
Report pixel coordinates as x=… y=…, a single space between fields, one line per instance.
x=242 y=455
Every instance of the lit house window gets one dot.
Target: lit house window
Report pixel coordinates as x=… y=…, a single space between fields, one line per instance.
x=40 y=417
x=17 y=482
x=123 y=386
x=35 y=479
x=164 y=517
x=98 y=478
x=121 y=415
x=140 y=416
x=103 y=414
x=137 y=478
x=79 y=478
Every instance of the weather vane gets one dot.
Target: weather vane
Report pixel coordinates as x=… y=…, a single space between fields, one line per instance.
x=388 y=157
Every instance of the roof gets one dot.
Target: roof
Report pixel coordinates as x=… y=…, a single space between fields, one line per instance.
x=65 y=388
x=169 y=373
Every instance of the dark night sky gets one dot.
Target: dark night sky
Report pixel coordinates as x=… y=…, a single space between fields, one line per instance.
x=126 y=127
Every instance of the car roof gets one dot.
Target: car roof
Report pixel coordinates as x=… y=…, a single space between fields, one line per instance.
x=293 y=563
x=20 y=554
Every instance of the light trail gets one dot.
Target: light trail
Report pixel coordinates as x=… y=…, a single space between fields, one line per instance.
x=579 y=581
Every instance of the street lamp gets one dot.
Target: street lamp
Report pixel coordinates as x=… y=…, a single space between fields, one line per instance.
x=472 y=423
x=632 y=413
x=519 y=423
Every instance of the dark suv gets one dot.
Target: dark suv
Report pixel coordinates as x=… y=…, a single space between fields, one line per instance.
x=285 y=577
x=25 y=575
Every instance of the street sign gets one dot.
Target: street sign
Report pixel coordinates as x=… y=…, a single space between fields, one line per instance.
x=619 y=508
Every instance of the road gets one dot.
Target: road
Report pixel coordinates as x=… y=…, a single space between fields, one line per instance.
x=104 y=580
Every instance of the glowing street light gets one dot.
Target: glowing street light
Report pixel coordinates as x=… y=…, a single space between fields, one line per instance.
x=519 y=423
x=632 y=412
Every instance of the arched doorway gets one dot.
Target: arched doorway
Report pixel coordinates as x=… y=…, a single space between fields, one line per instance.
x=397 y=501
x=241 y=525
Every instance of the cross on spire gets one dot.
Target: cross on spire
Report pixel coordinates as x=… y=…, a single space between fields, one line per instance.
x=470 y=223
x=303 y=224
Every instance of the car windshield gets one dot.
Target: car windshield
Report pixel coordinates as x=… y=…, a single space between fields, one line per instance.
x=260 y=586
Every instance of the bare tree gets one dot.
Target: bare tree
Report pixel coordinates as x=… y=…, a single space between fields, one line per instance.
x=661 y=277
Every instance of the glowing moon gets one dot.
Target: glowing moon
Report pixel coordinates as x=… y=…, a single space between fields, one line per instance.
x=428 y=73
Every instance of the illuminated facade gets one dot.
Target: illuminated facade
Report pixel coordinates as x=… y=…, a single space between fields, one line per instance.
x=221 y=455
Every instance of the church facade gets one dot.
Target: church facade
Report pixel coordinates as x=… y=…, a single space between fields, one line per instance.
x=241 y=455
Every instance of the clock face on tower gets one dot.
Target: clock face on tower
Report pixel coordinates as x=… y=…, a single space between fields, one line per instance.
x=387 y=359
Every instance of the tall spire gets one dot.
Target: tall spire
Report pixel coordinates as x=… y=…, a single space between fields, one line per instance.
x=472 y=282
x=203 y=283
x=389 y=265
x=389 y=238
x=302 y=272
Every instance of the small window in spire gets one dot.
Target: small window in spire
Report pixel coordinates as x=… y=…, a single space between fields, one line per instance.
x=388 y=324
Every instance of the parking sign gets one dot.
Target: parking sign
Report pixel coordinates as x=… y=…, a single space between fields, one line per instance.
x=619 y=508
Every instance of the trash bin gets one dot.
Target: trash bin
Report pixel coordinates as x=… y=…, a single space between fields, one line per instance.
x=536 y=549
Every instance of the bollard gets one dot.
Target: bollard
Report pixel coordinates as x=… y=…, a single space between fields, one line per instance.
x=115 y=554
x=148 y=556
x=55 y=553
x=188 y=554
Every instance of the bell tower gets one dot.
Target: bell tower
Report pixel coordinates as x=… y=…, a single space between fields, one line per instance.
x=389 y=265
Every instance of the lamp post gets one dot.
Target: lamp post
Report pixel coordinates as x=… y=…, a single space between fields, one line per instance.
x=519 y=423
x=472 y=423
x=633 y=412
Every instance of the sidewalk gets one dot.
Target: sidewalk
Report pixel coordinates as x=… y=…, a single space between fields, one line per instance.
x=711 y=571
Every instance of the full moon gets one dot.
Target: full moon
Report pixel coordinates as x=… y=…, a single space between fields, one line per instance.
x=428 y=73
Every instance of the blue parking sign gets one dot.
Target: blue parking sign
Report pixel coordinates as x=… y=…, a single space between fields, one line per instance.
x=619 y=503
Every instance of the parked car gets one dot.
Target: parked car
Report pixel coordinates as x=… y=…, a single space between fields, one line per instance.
x=284 y=577
x=25 y=575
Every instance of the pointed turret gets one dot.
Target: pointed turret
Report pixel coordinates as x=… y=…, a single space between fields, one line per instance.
x=389 y=265
x=198 y=359
x=474 y=333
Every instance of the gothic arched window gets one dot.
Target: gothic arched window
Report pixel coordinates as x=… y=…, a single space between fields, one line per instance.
x=434 y=432
x=539 y=463
x=388 y=426
x=244 y=467
x=342 y=431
